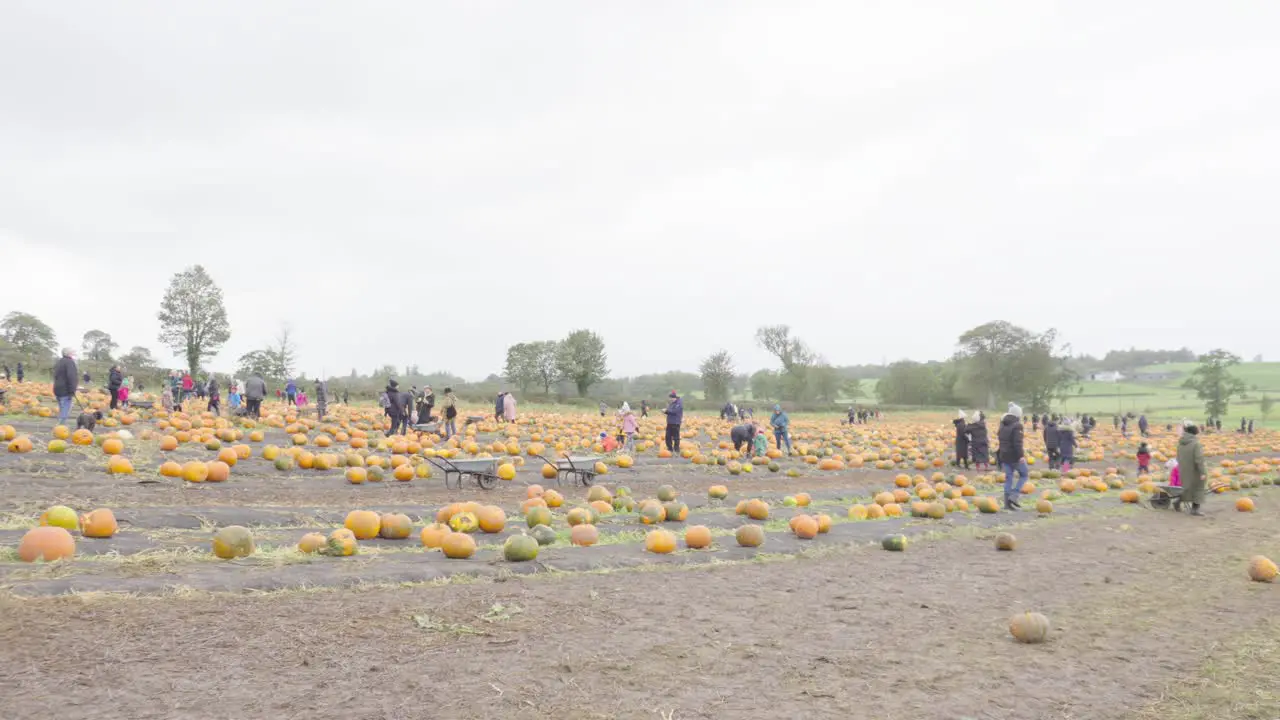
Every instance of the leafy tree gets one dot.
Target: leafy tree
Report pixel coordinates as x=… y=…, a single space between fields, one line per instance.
x=1214 y=383
x=717 y=376
x=98 y=345
x=28 y=335
x=825 y=382
x=1001 y=359
x=257 y=362
x=274 y=362
x=795 y=357
x=139 y=358
x=193 y=320
x=519 y=367
x=581 y=359
x=533 y=364
x=911 y=383
x=766 y=385
x=1266 y=406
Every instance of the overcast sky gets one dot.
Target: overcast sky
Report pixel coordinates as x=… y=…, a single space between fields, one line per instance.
x=431 y=182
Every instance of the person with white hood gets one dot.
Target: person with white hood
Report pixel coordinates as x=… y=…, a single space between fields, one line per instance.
x=1011 y=456
x=630 y=426
x=979 y=441
x=962 y=439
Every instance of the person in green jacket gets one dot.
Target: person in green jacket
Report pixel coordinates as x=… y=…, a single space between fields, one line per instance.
x=1191 y=468
x=781 y=428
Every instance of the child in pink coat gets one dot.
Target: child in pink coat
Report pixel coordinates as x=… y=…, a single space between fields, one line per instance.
x=1175 y=479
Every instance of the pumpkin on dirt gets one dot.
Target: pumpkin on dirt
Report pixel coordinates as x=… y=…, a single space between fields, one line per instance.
x=433 y=535
x=394 y=526
x=341 y=543
x=233 y=541
x=537 y=515
x=195 y=471
x=548 y=472
x=458 y=546
x=545 y=535
x=1044 y=506
x=1261 y=569
x=1244 y=504
x=60 y=516
x=757 y=509
x=804 y=527
x=666 y=493
x=85 y=437
x=599 y=492
x=824 y=523
x=749 y=535
x=661 y=542
x=100 y=523
x=113 y=446
x=20 y=444
x=584 y=535
x=218 y=472
x=357 y=475
x=519 y=548
x=578 y=516
x=1029 y=627
x=506 y=471
x=858 y=512
x=718 y=492
x=464 y=522
x=697 y=537
x=651 y=513
x=1129 y=496
x=895 y=543
x=1006 y=541
x=491 y=519
x=552 y=499
x=311 y=543
x=364 y=524
x=48 y=543
x=675 y=511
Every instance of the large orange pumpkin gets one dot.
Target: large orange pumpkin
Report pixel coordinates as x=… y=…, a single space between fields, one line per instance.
x=218 y=471
x=585 y=535
x=433 y=535
x=46 y=543
x=660 y=541
x=394 y=526
x=697 y=537
x=364 y=524
x=195 y=471
x=100 y=523
x=492 y=519
x=458 y=546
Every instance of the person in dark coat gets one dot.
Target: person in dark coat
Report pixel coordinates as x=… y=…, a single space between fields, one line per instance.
x=65 y=379
x=115 y=379
x=497 y=407
x=1012 y=456
x=744 y=434
x=1217 y=424
x=644 y=408
x=1035 y=422
x=1250 y=426
x=675 y=417
x=215 y=398
x=979 y=442
x=322 y=399
x=396 y=405
x=1066 y=445
x=255 y=391
x=1144 y=428
x=1191 y=469
x=962 y=440
x=22 y=372
x=1051 y=443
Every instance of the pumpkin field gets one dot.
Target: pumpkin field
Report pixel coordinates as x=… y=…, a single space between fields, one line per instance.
x=186 y=565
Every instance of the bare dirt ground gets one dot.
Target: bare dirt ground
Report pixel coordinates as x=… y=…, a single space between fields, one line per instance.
x=1140 y=601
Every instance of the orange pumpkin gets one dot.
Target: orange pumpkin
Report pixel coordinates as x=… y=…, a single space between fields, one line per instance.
x=433 y=535
x=697 y=537
x=394 y=526
x=100 y=523
x=195 y=471
x=585 y=535
x=458 y=546
x=660 y=541
x=46 y=543
x=364 y=524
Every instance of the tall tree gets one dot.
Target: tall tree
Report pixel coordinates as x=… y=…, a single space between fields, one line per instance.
x=581 y=359
x=284 y=352
x=717 y=376
x=911 y=383
x=138 y=358
x=257 y=362
x=1213 y=382
x=193 y=320
x=519 y=369
x=98 y=345
x=1001 y=359
x=28 y=335
x=824 y=381
x=533 y=364
x=795 y=357
x=765 y=385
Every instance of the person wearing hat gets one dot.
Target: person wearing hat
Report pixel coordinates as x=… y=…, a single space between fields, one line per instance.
x=1051 y=441
x=1191 y=469
x=1066 y=453
x=979 y=441
x=65 y=379
x=675 y=417
x=396 y=406
x=1011 y=456
x=962 y=439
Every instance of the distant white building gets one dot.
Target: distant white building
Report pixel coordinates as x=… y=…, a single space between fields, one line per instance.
x=1109 y=376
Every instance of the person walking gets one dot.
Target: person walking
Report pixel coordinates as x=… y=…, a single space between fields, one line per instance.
x=497 y=407
x=675 y=417
x=1012 y=458
x=509 y=407
x=291 y=391
x=21 y=372
x=215 y=399
x=1144 y=427
x=187 y=386
x=450 y=413
x=395 y=406
x=1051 y=442
x=255 y=391
x=962 y=440
x=65 y=377
x=1066 y=445
x=629 y=426
x=979 y=441
x=781 y=425
x=1191 y=469
x=322 y=399
x=115 y=379
x=644 y=408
